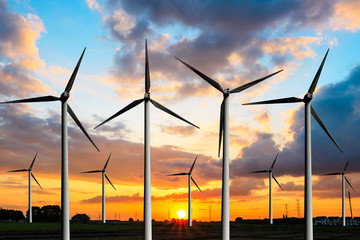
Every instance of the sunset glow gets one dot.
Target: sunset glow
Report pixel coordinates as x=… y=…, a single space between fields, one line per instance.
x=181 y=214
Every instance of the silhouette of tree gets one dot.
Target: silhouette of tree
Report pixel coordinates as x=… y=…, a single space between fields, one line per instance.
x=12 y=215
x=48 y=213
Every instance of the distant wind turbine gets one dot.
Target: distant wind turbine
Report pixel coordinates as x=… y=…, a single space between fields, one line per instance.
x=270 y=171
x=65 y=108
x=308 y=173
x=343 y=189
x=30 y=175
x=224 y=129
x=190 y=178
x=147 y=171
x=103 y=186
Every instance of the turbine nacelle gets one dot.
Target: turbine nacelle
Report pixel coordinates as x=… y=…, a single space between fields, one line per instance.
x=308 y=97
x=64 y=96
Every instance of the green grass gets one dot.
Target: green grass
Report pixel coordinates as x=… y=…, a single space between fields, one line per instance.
x=125 y=230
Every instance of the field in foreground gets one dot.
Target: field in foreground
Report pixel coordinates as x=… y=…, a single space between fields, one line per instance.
x=125 y=230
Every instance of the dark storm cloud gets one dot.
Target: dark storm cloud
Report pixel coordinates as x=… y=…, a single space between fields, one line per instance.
x=338 y=107
x=222 y=28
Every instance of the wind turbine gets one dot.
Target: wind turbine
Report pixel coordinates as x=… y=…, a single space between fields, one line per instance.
x=270 y=171
x=343 y=189
x=65 y=108
x=30 y=175
x=190 y=178
x=224 y=129
x=308 y=173
x=103 y=186
x=147 y=171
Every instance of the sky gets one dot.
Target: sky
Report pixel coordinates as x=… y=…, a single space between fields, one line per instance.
x=233 y=42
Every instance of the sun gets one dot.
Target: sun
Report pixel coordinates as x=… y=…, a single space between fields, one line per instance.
x=181 y=214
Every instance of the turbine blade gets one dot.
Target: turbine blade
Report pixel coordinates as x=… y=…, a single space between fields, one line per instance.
x=94 y=171
x=272 y=166
x=349 y=183
x=73 y=75
x=147 y=70
x=19 y=170
x=110 y=182
x=195 y=184
x=31 y=165
x=275 y=101
x=221 y=127
x=277 y=182
x=107 y=161
x=76 y=120
x=262 y=171
x=350 y=205
x=203 y=76
x=192 y=166
x=128 y=107
x=250 y=84
x=36 y=180
x=161 y=107
x=176 y=174
x=346 y=166
x=317 y=118
x=336 y=173
x=35 y=99
x=316 y=78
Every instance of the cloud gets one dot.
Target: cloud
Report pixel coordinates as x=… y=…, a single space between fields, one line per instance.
x=181 y=130
x=118 y=199
x=337 y=105
x=19 y=54
x=208 y=43
x=346 y=16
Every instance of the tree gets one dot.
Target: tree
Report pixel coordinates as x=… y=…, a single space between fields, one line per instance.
x=238 y=219
x=12 y=215
x=131 y=219
x=36 y=211
x=48 y=213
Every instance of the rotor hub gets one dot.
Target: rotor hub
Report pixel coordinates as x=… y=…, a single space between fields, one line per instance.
x=64 y=96
x=308 y=97
x=147 y=95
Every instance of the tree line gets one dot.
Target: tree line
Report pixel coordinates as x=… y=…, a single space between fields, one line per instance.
x=48 y=213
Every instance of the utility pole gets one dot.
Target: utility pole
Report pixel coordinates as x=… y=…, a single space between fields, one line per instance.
x=210 y=213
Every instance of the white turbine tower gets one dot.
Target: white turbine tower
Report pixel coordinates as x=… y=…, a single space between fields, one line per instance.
x=224 y=129
x=308 y=173
x=30 y=175
x=103 y=186
x=343 y=178
x=147 y=170
x=190 y=178
x=271 y=176
x=65 y=108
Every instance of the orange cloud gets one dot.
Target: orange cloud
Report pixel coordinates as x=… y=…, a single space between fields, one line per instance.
x=20 y=42
x=182 y=130
x=347 y=16
x=299 y=47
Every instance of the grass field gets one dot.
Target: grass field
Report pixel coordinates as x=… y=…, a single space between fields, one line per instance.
x=125 y=230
